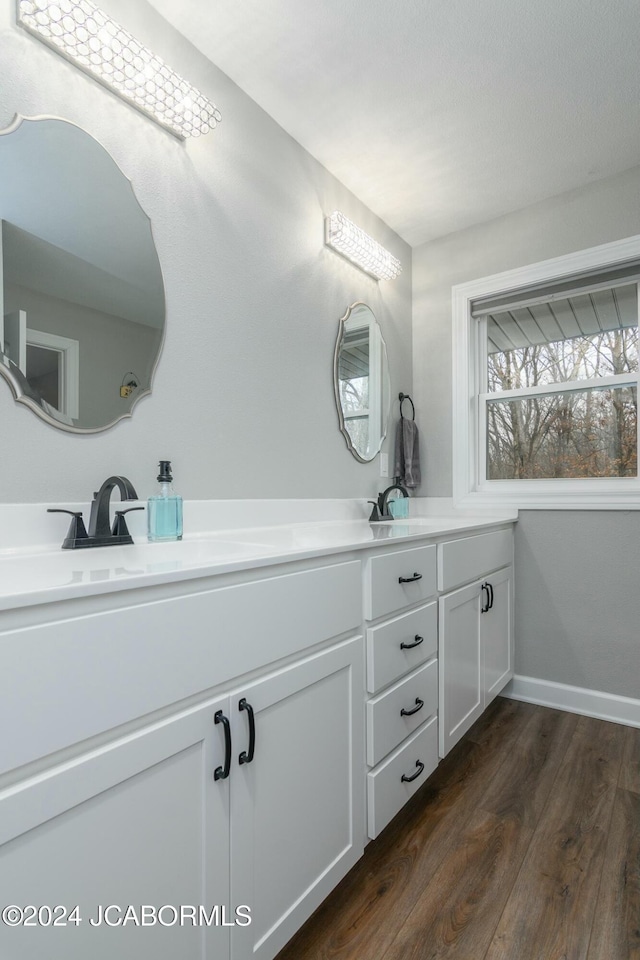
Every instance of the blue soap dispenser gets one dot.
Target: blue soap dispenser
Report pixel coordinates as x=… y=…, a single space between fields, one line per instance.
x=164 y=509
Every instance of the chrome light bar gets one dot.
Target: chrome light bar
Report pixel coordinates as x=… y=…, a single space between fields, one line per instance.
x=89 y=38
x=356 y=245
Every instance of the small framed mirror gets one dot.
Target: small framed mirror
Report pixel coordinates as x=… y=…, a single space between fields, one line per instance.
x=361 y=382
x=82 y=307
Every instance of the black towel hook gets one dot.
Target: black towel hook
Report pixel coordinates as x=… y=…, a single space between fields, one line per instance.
x=401 y=398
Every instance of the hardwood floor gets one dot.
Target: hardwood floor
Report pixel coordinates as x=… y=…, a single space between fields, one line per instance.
x=523 y=845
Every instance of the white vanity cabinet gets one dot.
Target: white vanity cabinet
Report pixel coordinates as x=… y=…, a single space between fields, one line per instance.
x=191 y=753
x=402 y=677
x=476 y=629
x=138 y=822
x=296 y=821
x=147 y=816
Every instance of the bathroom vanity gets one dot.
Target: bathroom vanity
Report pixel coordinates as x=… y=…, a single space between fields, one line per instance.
x=222 y=722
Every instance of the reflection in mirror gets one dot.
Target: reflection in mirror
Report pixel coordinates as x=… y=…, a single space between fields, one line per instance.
x=361 y=382
x=81 y=293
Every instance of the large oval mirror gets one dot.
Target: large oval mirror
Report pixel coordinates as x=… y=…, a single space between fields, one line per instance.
x=361 y=382
x=81 y=294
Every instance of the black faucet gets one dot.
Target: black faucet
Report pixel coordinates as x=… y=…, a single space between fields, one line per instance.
x=381 y=506
x=100 y=533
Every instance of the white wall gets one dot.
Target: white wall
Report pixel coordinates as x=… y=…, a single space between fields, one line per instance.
x=243 y=398
x=577 y=602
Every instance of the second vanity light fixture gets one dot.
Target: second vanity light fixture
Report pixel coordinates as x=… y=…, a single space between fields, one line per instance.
x=89 y=38
x=356 y=245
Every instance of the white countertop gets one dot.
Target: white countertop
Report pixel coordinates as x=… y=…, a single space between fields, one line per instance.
x=33 y=576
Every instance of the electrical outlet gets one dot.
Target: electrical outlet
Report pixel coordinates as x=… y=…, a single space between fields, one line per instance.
x=384 y=464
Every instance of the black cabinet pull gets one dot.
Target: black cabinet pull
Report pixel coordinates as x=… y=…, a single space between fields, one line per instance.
x=247 y=755
x=485 y=606
x=416 y=576
x=406 y=779
x=221 y=773
x=490 y=585
x=409 y=713
x=410 y=646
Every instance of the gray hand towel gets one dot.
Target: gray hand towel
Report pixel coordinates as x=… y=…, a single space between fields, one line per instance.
x=407 y=459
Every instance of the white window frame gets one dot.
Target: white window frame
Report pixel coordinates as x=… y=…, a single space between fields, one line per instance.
x=470 y=488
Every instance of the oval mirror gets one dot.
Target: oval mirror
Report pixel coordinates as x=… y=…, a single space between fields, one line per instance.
x=81 y=294
x=361 y=382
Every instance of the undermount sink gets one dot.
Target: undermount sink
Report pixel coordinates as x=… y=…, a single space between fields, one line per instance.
x=24 y=572
x=431 y=523
x=194 y=552
x=298 y=536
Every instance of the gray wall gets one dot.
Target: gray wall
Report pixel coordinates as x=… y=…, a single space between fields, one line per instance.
x=243 y=398
x=577 y=600
x=104 y=358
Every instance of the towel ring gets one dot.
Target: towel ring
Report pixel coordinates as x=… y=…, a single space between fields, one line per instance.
x=402 y=397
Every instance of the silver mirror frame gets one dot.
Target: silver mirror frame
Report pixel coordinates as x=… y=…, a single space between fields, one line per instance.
x=336 y=388
x=14 y=383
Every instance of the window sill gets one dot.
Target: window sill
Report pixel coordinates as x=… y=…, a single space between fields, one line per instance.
x=572 y=496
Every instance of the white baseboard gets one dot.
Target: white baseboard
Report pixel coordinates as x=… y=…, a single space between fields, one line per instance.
x=589 y=703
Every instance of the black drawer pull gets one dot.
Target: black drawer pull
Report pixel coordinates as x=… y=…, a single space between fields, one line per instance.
x=406 y=779
x=485 y=606
x=410 y=646
x=409 y=713
x=416 y=576
x=221 y=773
x=247 y=755
x=490 y=585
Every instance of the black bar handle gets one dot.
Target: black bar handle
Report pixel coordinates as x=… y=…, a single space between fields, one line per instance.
x=410 y=646
x=409 y=713
x=247 y=755
x=406 y=779
x=221 y=773
x=485 y=606
x=490 y=585
x=416 y=576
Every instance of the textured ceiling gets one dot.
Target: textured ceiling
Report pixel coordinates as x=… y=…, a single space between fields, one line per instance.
x=438 y=114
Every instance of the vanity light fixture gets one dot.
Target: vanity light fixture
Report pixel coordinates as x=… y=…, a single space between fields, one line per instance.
x=356 y=245
x=90 y=39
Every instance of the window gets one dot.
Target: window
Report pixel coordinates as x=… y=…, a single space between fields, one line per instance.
x=353 y=379
x=361 y=384
x=546 y=382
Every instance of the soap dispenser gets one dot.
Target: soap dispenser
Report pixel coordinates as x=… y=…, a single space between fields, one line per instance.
x=164 y=510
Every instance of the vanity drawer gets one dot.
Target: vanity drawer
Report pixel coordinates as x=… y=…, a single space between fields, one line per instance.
x=386 y=791
x=461 y=561
x=387 y=659
x=387 y=725
x=383 y=591
x=118 y=665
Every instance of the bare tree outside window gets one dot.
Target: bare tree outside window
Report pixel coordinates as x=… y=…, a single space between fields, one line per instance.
x=354 y=396
x=586 y=430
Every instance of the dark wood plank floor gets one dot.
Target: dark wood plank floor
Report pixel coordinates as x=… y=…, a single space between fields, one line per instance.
x=523 y=845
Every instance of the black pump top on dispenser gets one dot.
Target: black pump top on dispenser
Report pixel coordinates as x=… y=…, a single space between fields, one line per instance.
x=165 y=475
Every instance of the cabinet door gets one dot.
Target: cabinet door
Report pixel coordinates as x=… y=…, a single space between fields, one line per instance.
x=297 y=820
x=497 y=634
x=140 y=822
x=460 y=665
